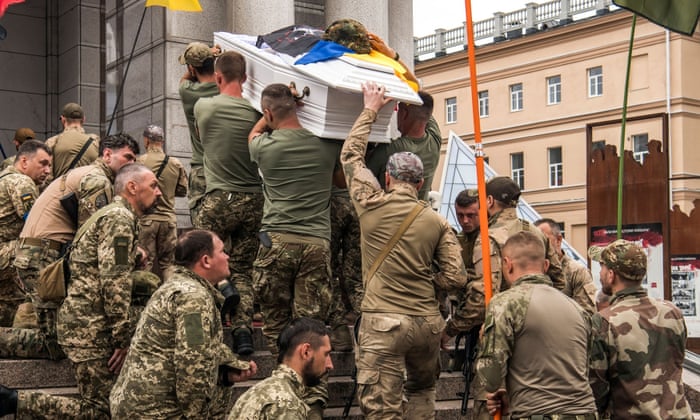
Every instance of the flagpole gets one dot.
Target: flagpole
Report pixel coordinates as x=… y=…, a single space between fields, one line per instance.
x=621 y=171
x=126 y=71
x=480 y=176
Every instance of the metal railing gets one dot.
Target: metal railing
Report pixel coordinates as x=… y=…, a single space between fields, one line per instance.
x=501 y=26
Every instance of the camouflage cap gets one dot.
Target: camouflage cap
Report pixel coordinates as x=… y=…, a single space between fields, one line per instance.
x=144 y=283
x=405 y=166
x=503 y=189
x=73 y=111
x=623 y=257
x=23 y=134
x=195 y=54
x=154 y=132
x=350 y=33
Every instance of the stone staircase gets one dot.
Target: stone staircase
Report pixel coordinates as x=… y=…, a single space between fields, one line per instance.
x=58 y=378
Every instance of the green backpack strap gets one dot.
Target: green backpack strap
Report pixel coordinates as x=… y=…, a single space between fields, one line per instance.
x=92 y=220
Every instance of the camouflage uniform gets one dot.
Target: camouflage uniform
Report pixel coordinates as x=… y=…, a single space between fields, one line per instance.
x=93 y=185
x=277 y=397
x=579 y=284
x=235 y=218
x=502 y=225
x=93 y=320
x=172 y=369
x=636 y=362
x=346 y=259
x=540 y=380
x=158 y=229
x=638 y=342
x=399 y=336
x=17 y=195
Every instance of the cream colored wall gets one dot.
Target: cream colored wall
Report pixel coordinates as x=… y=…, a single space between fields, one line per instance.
x=569 y=51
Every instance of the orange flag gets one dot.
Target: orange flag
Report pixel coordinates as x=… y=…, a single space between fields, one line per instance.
x=5 y=3
x=183 y=5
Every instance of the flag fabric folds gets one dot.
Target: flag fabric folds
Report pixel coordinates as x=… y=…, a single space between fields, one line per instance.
x=676 y=15
x=5 y=3
x=182 y=5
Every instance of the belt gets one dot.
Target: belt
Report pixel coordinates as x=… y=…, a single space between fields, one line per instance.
x=588 y=416
x=295 y=238
x=44 y=243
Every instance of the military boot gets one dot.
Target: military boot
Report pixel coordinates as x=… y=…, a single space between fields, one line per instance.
x=8 y=401
x=341 y=339
x=242 y=341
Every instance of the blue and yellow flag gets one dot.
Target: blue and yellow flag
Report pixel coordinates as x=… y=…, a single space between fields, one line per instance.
x=676 y=15
x=183 y=5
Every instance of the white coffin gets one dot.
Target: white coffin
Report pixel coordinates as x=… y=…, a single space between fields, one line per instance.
x=335 y=93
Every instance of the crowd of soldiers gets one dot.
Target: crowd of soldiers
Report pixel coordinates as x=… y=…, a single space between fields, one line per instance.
x=306 y=232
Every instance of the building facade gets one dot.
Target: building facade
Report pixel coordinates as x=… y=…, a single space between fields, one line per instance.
x=542 y=91
x=59 y=51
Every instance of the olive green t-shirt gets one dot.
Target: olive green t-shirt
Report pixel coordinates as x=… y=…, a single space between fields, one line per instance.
x=190 y=93
x=297 y=169
x=224 y=123
x=427 y=148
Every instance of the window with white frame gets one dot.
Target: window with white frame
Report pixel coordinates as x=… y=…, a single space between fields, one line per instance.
x=451 y=110
x=556 y=167
x=640 y=146
x=595 y=81
x=484 y=103
x=553 y=90
x=516 y=97
x=517 y=169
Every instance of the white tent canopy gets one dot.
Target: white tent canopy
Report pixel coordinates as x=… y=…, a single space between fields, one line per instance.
x=459 y=173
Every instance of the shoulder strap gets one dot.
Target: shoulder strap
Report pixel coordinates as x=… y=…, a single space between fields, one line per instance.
x=162 y=166
x=91 y=221
x=394 y=239
x=80 y=154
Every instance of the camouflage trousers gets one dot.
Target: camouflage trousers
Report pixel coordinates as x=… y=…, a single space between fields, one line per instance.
x=41 y=343
x=235 y=218
x=389 y=346
x=95 y=382
x=346 y=259
x=11 y=296
x=197 y=186
x=290 y=280
x=158 y=238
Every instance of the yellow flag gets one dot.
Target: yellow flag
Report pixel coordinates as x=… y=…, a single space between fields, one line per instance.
x=184 y=5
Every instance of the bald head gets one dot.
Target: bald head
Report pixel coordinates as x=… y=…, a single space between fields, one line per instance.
x=522 y=254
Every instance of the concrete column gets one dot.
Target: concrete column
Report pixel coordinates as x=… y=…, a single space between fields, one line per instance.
x=257 y=17
x=530 y=18
x=374 y=14
x=401 y=29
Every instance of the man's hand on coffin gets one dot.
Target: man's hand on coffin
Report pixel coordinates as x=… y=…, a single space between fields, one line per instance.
x=374 y=96
x=259 y=128
x=379 y=45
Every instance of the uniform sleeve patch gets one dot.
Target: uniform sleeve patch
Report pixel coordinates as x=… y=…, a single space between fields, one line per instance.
x=194 y=334
x=101 y=201
x=121 y=250
x=27 y=201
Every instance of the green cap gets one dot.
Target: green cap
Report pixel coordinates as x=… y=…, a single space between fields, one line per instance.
x=195 y=54
x=350 y=33
x=73 y=111
x=623 y=257
x=503 y=189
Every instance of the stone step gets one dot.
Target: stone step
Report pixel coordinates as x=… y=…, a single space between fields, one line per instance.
x=444 y=410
